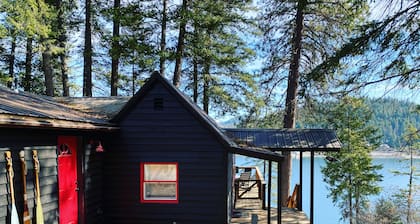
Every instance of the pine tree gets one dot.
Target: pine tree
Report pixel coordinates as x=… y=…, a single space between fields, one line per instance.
x=63 y=8
x=406 y=197
x=87 y=51
x=29 y=20
x=393 y=38
x=2 y=27
x=181 y=42
x=349 y=173
x=215 y=56
x=11 y=59
x=27 y=80
x=13 y=17
x=115 y=47
x=134 y=48
x=163 y=31
x=297 y=35
x=139 y=48
x=47 y=68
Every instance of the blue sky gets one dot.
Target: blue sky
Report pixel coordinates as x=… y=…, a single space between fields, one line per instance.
x=387 y=90
x=383 y=89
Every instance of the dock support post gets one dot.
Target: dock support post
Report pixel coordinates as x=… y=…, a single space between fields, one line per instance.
x=311 y=221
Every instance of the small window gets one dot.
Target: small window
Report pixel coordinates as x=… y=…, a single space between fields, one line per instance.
x=158 y=104
x=159 y=182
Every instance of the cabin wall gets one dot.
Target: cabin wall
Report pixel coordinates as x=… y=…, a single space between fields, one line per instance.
x=167 y=134
x=45 y=143
x=93 y=177
x=16 y=140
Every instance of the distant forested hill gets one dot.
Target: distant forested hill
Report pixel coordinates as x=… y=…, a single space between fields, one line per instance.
x=391 y=116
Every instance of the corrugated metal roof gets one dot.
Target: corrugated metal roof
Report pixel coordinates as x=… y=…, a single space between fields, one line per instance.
x=286 y=139
x=19 y=108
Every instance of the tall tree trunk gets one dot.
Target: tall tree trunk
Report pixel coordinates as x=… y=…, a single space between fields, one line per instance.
x=410 y=187
x=195 y=67
x=27 y=81
x=350 y=201
x=46 y=67
x=206 y=86
x=180 y=48
x=87 y=53
x=12 y=61
x=46 y=63
x=133 y=80
x=195 y=82
x=62 y=39
x=115 y=52
x=291 y=97
x=163 y=38
x=64 y=74
x=357 y=204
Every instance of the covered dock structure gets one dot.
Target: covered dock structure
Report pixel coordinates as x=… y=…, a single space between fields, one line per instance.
x=288 y=140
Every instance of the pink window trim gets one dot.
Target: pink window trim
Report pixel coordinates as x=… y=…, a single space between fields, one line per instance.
x=142 y=181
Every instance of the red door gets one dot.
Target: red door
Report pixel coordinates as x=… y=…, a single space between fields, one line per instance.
x=67 y=179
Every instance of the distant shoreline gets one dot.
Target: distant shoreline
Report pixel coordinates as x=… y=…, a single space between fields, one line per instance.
x=374 y=154
x=393 y=154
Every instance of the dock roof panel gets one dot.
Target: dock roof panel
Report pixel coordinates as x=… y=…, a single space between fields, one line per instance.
x=286 y=139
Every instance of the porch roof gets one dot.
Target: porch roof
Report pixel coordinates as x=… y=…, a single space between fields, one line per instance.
x=286 y=139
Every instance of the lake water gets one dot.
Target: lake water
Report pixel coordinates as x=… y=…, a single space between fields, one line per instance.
x=324 y=210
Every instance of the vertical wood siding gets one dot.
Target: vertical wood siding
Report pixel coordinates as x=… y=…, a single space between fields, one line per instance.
x=93 y=166
x=45 y=144
x=171 y=134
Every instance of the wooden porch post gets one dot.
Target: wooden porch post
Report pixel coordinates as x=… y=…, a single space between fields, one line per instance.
x=300 y=180
x=264 y=168
x=269 y=193
x=279 y=199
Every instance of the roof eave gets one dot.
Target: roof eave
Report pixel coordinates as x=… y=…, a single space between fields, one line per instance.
x=304 y=149
x=10 y=121
x=256 y=153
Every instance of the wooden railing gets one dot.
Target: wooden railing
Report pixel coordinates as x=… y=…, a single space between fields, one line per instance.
x=250 y=184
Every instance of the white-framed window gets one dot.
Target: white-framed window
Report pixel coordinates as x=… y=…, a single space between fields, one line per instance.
x=159 y=182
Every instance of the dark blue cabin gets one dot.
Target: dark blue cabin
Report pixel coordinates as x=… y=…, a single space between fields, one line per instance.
x=157 y=158
x=159 y=126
